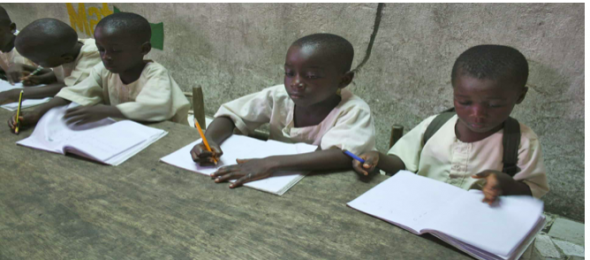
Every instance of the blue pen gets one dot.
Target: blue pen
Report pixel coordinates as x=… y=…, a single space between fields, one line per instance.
x=353 y=156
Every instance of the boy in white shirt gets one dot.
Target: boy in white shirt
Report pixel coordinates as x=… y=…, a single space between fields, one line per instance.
x=12 y=63
x=467 y=150
x=124 y=85
x=52 y=43
x=312 y=107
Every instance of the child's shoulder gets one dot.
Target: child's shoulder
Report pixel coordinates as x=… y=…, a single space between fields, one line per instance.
x=352 y=101
x=528 y=137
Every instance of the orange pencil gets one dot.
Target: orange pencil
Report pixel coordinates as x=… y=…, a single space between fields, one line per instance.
x=205 y=140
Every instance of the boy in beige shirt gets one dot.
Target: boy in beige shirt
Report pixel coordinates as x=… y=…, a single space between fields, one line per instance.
x=53 y=44
x=124 y=85
x=467 y=151
x=311 y=106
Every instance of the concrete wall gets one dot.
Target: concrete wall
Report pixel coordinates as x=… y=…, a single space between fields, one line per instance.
x=235 y=49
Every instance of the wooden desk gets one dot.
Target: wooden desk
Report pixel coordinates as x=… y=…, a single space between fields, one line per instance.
x=62 y=207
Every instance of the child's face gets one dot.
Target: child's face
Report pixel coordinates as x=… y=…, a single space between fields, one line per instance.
x=310 y=77
x=482 y=105
x=6 y=37
x=118 y=50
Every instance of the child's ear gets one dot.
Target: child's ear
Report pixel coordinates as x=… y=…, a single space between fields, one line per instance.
x=523 y=92
x=67 y=58
x=146 y=48
x=12 y=27
x=346 y=79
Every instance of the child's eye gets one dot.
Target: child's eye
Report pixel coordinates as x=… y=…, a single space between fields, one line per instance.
x=464 y=103
x=289 y=73
x=313 y=76
x=495 y=105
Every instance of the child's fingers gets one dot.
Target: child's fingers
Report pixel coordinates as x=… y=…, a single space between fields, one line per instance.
x=240 y=161
x=224 y=170
x=356 y=165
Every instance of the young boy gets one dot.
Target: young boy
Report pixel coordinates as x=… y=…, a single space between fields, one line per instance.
x=127 y=85
x=11 y=62
x=52 y=43
x=310 y=107
x=467 y=151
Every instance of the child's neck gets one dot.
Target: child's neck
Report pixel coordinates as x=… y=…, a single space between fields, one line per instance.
x=315 y=114
x=76 y=50
x=132 y=74
x=465 y=135
x=10 y=45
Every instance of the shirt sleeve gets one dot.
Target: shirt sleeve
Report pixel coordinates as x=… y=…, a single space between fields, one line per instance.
x=83 y=68
x=530 y=161
x=154 y=102
x=353 y=131
x=89 y=91
x=409 y=147
x=250 y=111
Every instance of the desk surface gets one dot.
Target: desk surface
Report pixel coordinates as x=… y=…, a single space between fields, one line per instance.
x=62 y=207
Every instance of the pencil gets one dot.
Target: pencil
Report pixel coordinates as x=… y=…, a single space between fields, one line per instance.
x=353 y=156
x=20 y=102
x=198 y=126
x=39 y=69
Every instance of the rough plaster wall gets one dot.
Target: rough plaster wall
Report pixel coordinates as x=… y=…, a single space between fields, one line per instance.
x=235 y=49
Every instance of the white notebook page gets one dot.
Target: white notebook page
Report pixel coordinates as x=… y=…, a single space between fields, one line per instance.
x=497 y=229
x=406 y=199
x=243 y=147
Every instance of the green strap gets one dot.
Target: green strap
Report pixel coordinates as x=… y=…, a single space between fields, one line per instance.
x=510 y=139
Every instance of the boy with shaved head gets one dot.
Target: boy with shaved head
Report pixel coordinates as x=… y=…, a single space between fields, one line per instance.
x=52 y=43
x=11 y=62
x=312 y=106
x=124 y=85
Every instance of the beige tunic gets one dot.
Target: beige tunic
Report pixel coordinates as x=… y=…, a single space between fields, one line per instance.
x=155 y=96
x=446 y=158
x=74 y=72
x=348 y=126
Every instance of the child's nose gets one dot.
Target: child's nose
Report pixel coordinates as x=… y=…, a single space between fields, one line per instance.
x=479 y=111
x=297 y=82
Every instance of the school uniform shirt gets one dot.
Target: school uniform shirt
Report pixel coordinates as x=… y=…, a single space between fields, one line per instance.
x=154 y=96
x=76 y=71
x=348 y=126
x=445 y=158
x=12 y=57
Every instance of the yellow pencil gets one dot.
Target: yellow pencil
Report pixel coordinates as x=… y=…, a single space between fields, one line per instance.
x=198 y=126
x=20 y=102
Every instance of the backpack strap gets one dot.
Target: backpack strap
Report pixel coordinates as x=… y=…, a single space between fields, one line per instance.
x=437 y=123
x=510 y=142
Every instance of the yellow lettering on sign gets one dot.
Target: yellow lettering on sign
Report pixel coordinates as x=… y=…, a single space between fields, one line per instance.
x=79 y=20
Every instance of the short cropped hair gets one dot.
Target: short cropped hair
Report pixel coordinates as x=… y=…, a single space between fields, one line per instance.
x=330 y=44
x=134 y=24
x=495 y=62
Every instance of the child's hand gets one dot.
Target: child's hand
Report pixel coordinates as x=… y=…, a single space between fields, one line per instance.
x=14 y=73
x=87 y=114
x=245 y=171
x=371 y=161
x=24 y=121
x=35 y=80
x=201 y=155
x=496 y=184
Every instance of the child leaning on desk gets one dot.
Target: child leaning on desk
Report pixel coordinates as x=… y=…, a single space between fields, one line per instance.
x=467 y=150
x=124 y=85
x=12 y=62
x=311 y=107
x=52 y=43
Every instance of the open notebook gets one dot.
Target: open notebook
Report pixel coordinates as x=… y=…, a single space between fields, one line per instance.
x=105 y=141
x=243 y=147
x=456 y=216
x=5 y=86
